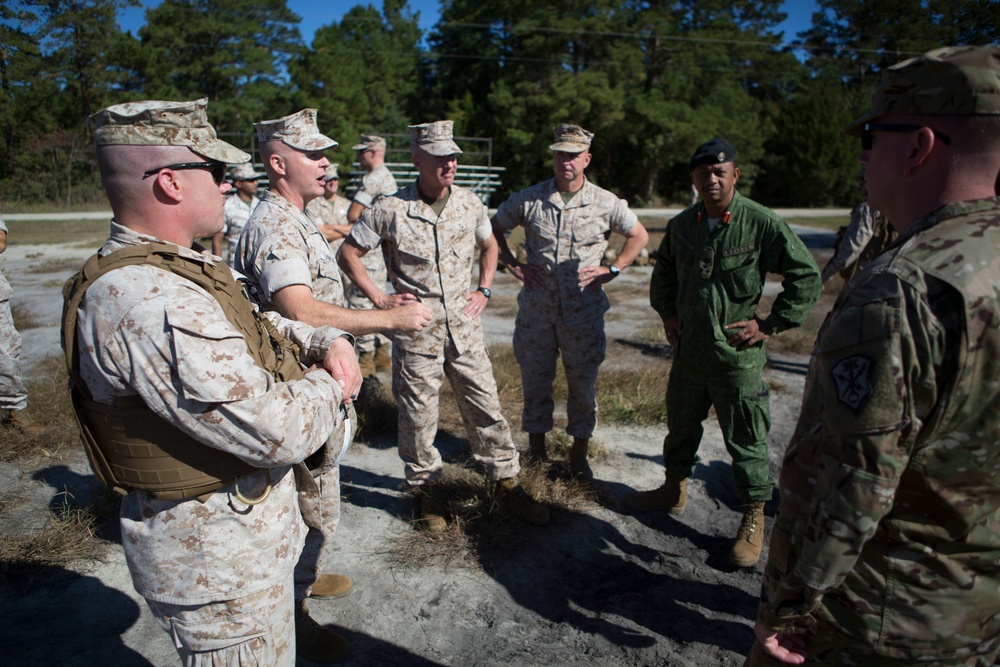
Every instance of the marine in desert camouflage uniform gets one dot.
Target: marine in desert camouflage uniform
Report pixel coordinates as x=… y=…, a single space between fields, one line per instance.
x=377 y=182
x=13 y=394
x=886 y=550
x=215 y=570
x=430 y=232
x=291 y=269
x=567 y=221
x=239 y=205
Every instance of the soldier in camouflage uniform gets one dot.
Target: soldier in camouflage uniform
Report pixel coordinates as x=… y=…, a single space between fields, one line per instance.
x=864 y=239
x=378 y=181
x=567 y=222
x=292 y=270
x=239 y=205
x=329 y=212
x=216 y=570
x=706 y=286
x=13 y=394
x=886 y=549
x=429 y=232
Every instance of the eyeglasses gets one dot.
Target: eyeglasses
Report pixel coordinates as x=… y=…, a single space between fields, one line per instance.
x=218 y=169
x=867 y=139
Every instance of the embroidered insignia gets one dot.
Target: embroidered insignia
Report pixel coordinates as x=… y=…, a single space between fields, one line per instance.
x=852 y=377
x=722 y=156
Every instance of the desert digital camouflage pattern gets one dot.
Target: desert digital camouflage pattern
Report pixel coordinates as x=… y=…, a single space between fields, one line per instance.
x=145 y=331
x=866 y=236
x=13 y=394
x=569 y=138
x=888 y=539
x=322 y=211
x=236 y=212
x=281 y=246
x=379 y=182
x=562 y=238
x=432 y=257
x=298 y=130
x=434 y=138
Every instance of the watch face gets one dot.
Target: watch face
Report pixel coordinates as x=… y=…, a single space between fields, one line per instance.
x=615 y=270
x=486 y=291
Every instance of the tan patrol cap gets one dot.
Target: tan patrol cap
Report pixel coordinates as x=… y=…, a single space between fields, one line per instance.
x=164 y=123
x=435 y=138
x=298 y=130
x=571 y=138
x=244 y=172
x=369 y=141
x=955 y=80
x=331 y=173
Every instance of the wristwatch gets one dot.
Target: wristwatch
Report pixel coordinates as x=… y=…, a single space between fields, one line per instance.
x=485 y=290
x=614 y=271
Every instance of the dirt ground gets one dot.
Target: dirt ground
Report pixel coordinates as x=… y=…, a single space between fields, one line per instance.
x=598 y=586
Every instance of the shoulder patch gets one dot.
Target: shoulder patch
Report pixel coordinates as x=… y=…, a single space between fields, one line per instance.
x=853 y=379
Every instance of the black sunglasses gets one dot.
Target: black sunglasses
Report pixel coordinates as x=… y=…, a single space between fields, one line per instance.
x=218 y=169
x=867 y=139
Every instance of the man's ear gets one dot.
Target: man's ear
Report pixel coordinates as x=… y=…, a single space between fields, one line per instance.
x=923 y=142
x=170 y=187
x=277 y=163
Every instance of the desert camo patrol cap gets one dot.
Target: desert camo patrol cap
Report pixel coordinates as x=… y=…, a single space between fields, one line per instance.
x=244 y=172
x=571 y=138
x=298 y=130
x=955 y=80
x=435 y=138
x=164 y=123
x=714 y=151
x=369 y=141
x=331 y=173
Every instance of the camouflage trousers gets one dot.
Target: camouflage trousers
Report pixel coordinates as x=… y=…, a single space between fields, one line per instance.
x=537 y=346
x=255 y=630
x=374 y=264
x=827 y=649
x=741 y=402
x=319 y=503
x=416 y=386
x=13 y=395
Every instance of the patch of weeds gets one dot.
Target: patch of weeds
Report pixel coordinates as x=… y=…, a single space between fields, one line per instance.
x=48 y=406
x=69 y=535
x=24 y=319
x=376 y=408
x=633 y=396
x=65 y=265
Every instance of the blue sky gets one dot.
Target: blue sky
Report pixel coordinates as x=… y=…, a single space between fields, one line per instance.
x=315 y=14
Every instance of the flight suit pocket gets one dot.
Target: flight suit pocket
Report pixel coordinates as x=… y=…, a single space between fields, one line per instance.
x=739 y=275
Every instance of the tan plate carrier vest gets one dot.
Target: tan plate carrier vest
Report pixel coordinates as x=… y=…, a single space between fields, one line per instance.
x=131 y=447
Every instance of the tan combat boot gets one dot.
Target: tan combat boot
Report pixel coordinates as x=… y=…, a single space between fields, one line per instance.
x=316 y=643
x=578 y=466
x=22 y=425
x=750 y=538
x=671 y=497
x=431 y=512
x=536 y=449
x=383 y=358
x=524 y=506
x=331 y=586
x=367 y=364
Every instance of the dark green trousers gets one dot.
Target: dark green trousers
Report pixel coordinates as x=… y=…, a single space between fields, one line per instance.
x=741 y=402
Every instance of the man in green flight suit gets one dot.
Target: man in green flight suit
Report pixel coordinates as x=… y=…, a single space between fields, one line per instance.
x=707 y=283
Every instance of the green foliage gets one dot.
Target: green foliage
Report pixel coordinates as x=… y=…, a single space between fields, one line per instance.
x=652 y=80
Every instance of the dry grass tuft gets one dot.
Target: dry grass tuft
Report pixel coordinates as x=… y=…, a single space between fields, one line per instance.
x=68 y=536
x=67 y=265
x=377 y=411
x=633 y=396
x=24 y=319
x=48 y=406
x=480 y=525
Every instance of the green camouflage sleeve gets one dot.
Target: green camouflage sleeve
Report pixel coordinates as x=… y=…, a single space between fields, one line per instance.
x=663 y=284
x=871 y=384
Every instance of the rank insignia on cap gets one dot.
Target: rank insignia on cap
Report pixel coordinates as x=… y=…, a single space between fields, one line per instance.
x=852 y=376
x=721 y=156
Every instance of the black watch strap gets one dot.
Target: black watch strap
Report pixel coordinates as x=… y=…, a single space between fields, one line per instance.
x=485 y=290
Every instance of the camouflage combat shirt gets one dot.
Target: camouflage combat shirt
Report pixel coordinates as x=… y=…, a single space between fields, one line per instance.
x=563 y=238
x=889 y=530
x=282 y=246
x=378 y=182
x=709 y=279
x=431 y=257
x=148 y=332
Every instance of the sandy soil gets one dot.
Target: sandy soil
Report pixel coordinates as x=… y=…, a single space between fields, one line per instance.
x=596 y=587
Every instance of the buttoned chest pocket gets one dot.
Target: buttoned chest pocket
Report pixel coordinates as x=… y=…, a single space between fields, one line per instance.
x=540 y=230
x=590 y=239
x=415 y=249
x=740 y=275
